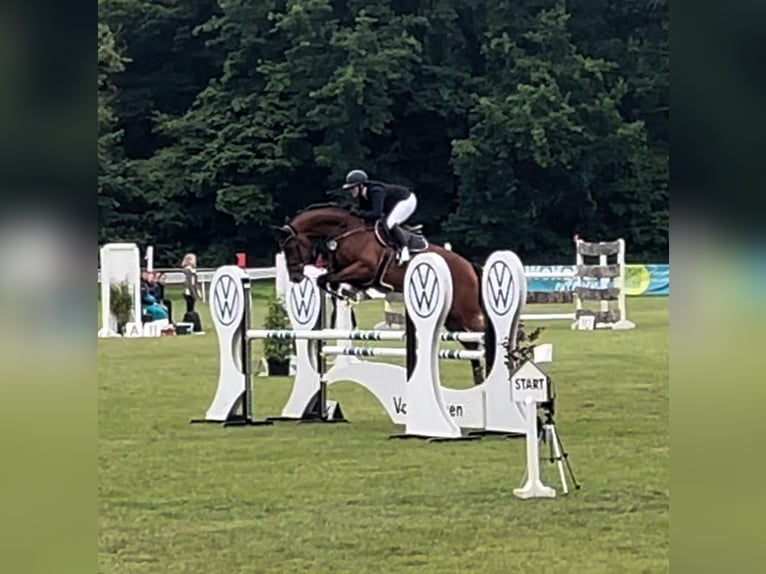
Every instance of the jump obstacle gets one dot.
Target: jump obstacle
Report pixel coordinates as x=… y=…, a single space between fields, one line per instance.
x=430 y=410
x=120 y=264
x=610 y=280
x=486 y=407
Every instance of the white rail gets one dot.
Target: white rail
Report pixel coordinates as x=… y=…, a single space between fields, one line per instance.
x=547 y=316
x=176 y=276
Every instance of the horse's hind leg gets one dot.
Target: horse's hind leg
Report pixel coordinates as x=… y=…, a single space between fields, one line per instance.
x=477 y=370
x=472 y=322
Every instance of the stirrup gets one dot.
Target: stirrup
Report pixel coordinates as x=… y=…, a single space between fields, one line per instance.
x=404 y=255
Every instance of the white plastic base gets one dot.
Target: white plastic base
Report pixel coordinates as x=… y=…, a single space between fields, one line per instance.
x=388 y=383
x=105 y=332
x=622 y=325
x=533 y=487
x=534 y=490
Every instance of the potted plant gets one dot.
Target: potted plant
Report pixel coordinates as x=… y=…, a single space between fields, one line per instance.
x=121 y=304
x=523 y=348
x=520 y=351
x=277 y=352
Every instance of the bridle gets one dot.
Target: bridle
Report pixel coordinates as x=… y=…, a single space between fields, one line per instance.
x=326 y=247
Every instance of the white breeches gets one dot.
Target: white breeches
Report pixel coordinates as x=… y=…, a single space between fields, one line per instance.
x=402 y=211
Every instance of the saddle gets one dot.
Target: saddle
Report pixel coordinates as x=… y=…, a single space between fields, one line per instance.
x=413 y=235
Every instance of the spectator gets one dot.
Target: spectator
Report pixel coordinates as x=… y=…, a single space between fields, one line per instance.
x=159 y=292
x=151 y=308
x=146 y=286
x=192 y=289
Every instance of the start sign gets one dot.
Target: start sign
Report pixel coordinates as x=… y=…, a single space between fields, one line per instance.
x=529 y=382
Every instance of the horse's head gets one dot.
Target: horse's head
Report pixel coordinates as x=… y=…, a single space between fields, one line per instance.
x=298 y=250
x=304 y=239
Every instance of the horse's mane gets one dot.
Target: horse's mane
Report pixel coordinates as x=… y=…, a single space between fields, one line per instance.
x=346 y=211
x=326 y=205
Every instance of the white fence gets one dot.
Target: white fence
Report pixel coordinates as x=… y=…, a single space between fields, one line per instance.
x=176 y=276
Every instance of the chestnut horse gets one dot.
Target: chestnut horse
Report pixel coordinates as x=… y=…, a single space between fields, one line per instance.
x=353 y=252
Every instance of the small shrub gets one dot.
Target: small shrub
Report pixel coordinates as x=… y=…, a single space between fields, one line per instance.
x=276 y=350
x=523 y=348
x=121 y=303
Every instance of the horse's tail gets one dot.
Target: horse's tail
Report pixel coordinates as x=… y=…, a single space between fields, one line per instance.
x=479 y=270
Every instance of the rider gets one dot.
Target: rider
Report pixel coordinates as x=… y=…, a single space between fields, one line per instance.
x=377 y=200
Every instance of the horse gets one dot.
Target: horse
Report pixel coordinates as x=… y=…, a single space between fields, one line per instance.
x=356 y=253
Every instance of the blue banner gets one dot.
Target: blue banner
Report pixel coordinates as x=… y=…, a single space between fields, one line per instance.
x=640 y=280
x=653 y=279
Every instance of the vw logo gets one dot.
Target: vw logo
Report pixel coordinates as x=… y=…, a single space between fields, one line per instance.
x=425 y=291
x=304 y=303
x=226 y=300
x=500 y=286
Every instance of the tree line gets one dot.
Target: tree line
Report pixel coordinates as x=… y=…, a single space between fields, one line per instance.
x=519 y=123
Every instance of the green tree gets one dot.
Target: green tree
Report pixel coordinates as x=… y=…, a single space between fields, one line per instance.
x=517 y=123
x=110 y=184
x=301 y=100
x=171 y=61
x=549 y=153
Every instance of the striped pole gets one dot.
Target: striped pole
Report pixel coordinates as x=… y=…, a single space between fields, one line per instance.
x=321 y=334
x=346 y=335
x=457 y=354
x=463 y=337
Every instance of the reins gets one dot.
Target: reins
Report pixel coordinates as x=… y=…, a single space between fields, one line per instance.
x=328 y=241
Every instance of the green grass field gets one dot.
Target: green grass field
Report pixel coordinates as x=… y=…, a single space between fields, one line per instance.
x=175 y=497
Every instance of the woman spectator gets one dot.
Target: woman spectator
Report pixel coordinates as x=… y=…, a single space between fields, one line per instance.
x=192 y=290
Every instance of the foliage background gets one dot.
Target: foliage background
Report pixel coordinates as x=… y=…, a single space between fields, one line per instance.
x=518 y=122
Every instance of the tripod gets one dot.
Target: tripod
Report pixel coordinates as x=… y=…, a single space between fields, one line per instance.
x=557 y=452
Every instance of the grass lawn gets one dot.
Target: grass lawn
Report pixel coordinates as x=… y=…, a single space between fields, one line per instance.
x=175 y=497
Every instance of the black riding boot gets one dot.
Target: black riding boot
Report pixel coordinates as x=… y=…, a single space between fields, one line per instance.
x=401 y=240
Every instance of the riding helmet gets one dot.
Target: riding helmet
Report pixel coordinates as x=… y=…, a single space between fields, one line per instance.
x=354 y=178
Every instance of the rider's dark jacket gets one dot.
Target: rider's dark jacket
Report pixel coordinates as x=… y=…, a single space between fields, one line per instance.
x=381 y=199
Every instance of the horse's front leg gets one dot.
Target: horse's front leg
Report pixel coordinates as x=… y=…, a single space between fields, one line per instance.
x=354 y=274
x=326 y=283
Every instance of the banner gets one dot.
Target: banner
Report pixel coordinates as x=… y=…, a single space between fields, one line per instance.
x=653 y=279
x=640 y=280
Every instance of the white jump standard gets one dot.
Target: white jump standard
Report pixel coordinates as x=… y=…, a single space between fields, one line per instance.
x=120 y=264
x=230 y=306
x=428 y=298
